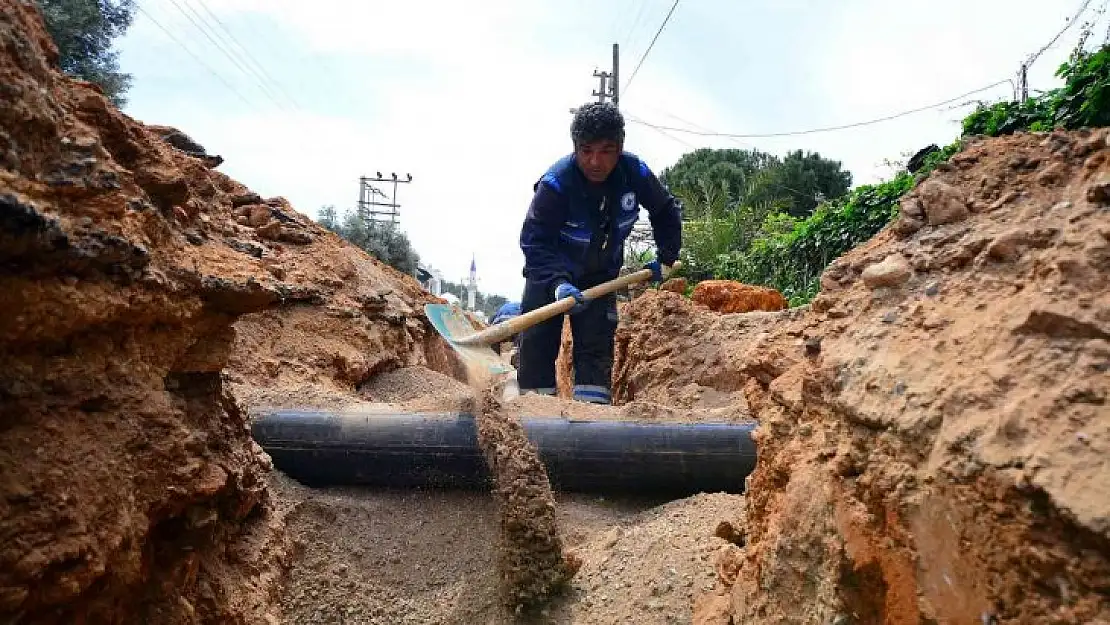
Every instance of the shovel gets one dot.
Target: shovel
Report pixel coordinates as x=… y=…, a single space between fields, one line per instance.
x=474 y=347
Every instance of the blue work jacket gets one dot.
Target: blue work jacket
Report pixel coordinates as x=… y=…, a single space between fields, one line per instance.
x=576 y=229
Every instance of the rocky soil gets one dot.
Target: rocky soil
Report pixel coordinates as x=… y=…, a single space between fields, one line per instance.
x=934 y=432
x=934 y=435
x=148 y=300
x=130 y=490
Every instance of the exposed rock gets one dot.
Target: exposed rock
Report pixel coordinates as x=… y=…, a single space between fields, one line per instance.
x=1007 y=246
x=244 y=198
x=186 y=144
x=1052 y=174
x=892 y=271
x=130 y=490
x=674 y=285
x=904 y=225
x=942 y=203
x=1099 y=193
x=728 y=296
x=257 y=215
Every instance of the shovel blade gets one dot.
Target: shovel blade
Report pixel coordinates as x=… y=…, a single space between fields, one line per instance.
x=453 y=325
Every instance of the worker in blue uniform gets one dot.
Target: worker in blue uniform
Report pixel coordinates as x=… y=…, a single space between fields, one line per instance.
x=507 y=311
x=582 y=210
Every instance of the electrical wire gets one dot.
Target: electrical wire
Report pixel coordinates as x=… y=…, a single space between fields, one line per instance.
x=635 y=22
x=801 y=194
x=793 y=133
x=204 y=31
x=650 y=46
x=663 y=132
x=272 y=81
x=195 y=57
x=1082 y=9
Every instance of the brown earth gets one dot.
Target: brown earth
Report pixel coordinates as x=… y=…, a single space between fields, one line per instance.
x=934 y=436
x=729 y=296
x=130 y=490
x=137 y=282
x=933 y=428
x=564 y=364
x=429 y=557
x=531 y=563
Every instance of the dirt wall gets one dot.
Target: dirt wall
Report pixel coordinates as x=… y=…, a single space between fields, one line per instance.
x=137 y=282
x=933 y=428
x=129 y=488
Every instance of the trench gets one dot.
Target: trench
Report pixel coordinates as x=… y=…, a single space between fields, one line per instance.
x=392 y=518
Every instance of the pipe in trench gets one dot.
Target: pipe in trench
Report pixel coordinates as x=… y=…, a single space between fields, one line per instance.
x=406 y=450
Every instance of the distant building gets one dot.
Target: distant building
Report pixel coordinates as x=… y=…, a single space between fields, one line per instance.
x=472 y=285
x=431 y=279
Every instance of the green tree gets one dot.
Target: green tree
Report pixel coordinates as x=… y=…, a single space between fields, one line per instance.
x=719 y=221
x=383 y=241
x=84 y=31
x=798 y=182
x=706 y=167
x=805 y=180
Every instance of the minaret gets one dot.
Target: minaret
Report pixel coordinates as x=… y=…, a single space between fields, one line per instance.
x=472 y=286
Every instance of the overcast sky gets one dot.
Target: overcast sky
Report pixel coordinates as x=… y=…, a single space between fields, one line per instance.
x=473 y=102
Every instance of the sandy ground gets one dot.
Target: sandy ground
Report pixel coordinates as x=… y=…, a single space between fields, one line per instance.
x=373 y=556
x=425 y=556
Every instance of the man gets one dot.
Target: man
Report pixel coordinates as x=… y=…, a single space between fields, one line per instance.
x=507 y=311
x=573 y=236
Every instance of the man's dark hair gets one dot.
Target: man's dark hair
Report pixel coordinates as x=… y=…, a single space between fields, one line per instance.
x=597 y=122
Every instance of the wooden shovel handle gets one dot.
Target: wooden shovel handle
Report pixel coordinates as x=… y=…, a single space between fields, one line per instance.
x=505 y=329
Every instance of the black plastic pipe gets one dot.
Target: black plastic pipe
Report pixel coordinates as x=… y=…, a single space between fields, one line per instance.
x=321 y=448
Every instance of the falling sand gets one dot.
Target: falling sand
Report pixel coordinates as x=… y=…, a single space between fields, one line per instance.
x=532 y=566
x=531 y=563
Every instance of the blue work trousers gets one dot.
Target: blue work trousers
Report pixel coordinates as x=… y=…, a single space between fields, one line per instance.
x=592 y=329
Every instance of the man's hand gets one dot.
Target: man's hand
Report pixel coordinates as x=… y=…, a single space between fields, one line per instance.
x=656 y=271
x=567 y=289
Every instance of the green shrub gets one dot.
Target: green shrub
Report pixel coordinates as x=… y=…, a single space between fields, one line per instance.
x=792 y=261
x=1083 y=102
x=791 y=254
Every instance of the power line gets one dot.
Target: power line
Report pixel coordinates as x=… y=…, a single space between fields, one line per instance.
x=734 y=140
x=792 y=133
x=635 y=22
x=247 y=53
x=662 y=132
x=204 y=31
x=195 y=57
x=650 y=45
x=694 y=147
x=229 y=50
x=1082 y=9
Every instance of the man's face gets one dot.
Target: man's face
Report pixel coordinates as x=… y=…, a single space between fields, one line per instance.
x=597 y=159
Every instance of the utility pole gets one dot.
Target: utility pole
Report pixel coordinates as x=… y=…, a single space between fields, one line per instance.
x=602 y=92
x=372 y=209
x=608 y=82
x=1023 y=82
x=616 y=90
